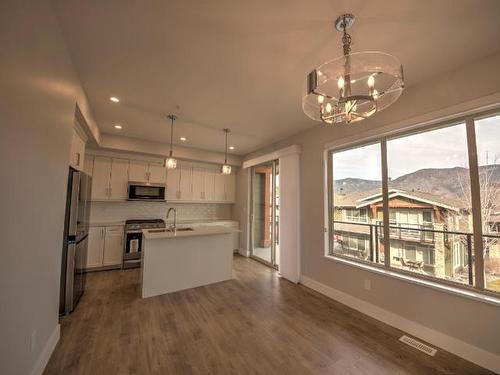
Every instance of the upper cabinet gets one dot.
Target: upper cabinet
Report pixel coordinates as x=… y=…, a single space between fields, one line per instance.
x=88 y=164
x=101 y=175
x=157 y=173
x=77 y=152
x=189 y=182
x=230 y=188
x=118 y=182
x=199 y=183
x=109 y=178
x=138 y=171
x=142 y=171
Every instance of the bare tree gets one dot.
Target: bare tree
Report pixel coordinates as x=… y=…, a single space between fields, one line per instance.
x=489 y=186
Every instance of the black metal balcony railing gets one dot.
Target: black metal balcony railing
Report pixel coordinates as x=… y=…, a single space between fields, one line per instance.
x=411 y=232
x=423 y=234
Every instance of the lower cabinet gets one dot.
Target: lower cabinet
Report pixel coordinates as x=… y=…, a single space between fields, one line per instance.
x=105 y=247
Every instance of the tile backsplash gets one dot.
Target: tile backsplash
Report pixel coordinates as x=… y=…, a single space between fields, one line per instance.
x=102 y=212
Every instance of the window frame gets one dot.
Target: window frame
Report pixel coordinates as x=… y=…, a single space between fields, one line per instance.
x=469 y=122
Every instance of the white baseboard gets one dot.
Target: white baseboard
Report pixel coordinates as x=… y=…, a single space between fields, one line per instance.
x=244 y=253
x=49 y=347
x=453 y=345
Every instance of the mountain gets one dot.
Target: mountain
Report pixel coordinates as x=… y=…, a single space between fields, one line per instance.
x=445 y=182
x=356 y=185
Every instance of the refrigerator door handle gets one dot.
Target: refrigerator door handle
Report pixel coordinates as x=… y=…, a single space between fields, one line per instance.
x=70 y=274
x=73 y=214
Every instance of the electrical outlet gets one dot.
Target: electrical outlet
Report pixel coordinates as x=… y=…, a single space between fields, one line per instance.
x=33 y=341
x=368 y=284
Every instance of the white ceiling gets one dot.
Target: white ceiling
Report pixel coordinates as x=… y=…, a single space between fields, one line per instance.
x=242 y=64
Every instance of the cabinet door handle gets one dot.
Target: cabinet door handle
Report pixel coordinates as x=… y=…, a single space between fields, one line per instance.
x=77 y=159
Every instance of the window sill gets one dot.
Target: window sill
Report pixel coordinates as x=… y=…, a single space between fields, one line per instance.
x=477 y=296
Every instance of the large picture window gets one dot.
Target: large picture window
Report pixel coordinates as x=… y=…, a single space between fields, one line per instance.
x=488 y=151
x=423 y=182
x=357 y=224
x=427 y=174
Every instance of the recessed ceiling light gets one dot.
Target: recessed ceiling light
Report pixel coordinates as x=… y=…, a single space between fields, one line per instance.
x=118 y=126
x=183 y=139
x=114 y=99
x=231 y=147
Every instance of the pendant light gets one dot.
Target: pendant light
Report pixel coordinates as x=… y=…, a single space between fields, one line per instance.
x=171 y=162
x=354 y=86
x=226 y=168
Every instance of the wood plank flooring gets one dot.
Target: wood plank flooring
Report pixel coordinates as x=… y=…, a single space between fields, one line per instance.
x=256 y=323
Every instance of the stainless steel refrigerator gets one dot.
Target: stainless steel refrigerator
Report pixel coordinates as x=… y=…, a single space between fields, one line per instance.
x=75 y=241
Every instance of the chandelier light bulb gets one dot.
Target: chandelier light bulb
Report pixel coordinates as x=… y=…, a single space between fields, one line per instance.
x=371 y=81
x=340 y=83
x=321 y=99
x=375 y=94
x=328 y=107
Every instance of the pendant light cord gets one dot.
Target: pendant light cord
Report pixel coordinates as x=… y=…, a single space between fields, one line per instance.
x=227 y=131
x=172 y=118
x=225 y=153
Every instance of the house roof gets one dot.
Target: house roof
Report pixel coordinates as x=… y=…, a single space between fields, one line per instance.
x=364 y=199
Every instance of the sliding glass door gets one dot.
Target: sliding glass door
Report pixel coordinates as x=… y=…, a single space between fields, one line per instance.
x=265 y=213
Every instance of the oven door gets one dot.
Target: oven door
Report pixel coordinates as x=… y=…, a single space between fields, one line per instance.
x=144 y=192
x=133 y=245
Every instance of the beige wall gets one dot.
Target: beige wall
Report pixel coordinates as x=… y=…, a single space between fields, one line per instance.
x=474 y=322
x=39 y=90
x=139 y=146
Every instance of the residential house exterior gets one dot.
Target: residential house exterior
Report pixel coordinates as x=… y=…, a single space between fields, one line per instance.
x=428 y=233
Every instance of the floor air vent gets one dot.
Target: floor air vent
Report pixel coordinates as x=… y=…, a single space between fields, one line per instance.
x=418 y=345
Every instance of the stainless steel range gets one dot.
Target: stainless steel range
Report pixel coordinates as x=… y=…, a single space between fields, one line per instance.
x=133 y=239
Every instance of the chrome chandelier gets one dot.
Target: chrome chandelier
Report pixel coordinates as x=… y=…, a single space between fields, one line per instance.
x=352 y=87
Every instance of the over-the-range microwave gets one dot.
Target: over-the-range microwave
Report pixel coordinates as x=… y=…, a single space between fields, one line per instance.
x=142 y=191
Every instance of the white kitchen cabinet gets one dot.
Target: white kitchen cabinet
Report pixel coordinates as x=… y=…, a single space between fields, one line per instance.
x=156 y=173
x=105 y=247
x=198 y=183
x=138 y=171
x=118 y=183
x=142 y=171
x=101 y=175
x=77 y=152
x=88 y=164
x=95 y=247
x=219 y=187
x=230 y=187
x=173 y=184
x=186 y=182
x=109 y=179
x=209 y=185
x=113 y=246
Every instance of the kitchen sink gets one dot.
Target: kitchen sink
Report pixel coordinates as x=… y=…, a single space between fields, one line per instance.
x=170 y=230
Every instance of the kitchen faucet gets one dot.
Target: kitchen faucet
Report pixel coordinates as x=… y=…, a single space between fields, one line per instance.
x=173 y=226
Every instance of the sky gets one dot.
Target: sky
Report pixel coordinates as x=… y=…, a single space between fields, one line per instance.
x=441 y=148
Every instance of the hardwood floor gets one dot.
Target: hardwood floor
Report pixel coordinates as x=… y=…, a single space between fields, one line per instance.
x=256 y=323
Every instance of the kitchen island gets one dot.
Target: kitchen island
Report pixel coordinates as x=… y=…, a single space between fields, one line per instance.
x=185 y=258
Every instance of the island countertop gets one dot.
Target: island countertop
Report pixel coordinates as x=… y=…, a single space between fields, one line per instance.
x=153 y=234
